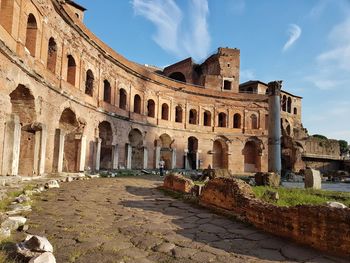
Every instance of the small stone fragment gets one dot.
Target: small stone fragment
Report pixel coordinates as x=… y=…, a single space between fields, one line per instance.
x=22 y=198
x=52 y=184
x=38 y=244
x=46 y=257
x=336 y=205
x=69 y=179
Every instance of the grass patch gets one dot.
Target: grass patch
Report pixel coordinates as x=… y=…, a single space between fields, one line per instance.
x=7 y=251
x=4 y=203
x=294 y=196
x=74 y=255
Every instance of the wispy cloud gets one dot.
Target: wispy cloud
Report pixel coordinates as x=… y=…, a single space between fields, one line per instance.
x=247 y=74
x=173 y=33
x=333 y=65
x=237 y=6
x=294 y=32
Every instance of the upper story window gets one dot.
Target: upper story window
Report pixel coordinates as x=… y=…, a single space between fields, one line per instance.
x=137 y=104
x=227 y=85
x=193 y=117
x=178 y=114
x=52 y=55
x=165 y=111
x=71 y=70
x=107 y=91
x=151 y=106
x=207 y=118
x=31 y=34
x=89 y=84
x=122 y=99
x=222 y=119
x=254 y=121
x=237 y=120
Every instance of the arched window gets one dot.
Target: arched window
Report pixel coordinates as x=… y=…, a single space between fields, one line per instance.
x=289 y=105
x=284 y=103
x=137 y=104
x=254 y=121
x=237 y=120
x=222 y=120
x=107 y=91
x=151 y=106
x=89 y=84
x=193 y=117
x=52 y=55
x=31 y=34
x=71 y=70
x=178 y=76
x=122 y=99
x=295 y=111
x=165 y=111
x=207 y=118
x=178 y=114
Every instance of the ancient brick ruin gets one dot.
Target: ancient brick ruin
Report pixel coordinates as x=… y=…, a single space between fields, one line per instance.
x=70 y=103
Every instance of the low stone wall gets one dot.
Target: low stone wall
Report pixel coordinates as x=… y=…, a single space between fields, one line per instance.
x=321 y=227
x=177 y=182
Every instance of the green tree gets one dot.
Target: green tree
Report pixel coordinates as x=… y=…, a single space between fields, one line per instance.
x=343 y=146
x=320 y=136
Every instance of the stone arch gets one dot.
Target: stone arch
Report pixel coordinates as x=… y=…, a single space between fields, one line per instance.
x=254 y=122
x=29 y=139
x=137 y=149
x=89 y=83
x=192 y=116
x=106 y=136
x=107 y=91
x=165 y=111
x=222 y=119
x=192 y=154
x=220 y=154
x=137 y=104
x=71 y=70
x=31 y=34
x=284 y=103
x=237 y=121
x=178 y=76
x=178 y=114
x=252 y=155
x=207 y=118
x=295 y=111
x=122 y=98
x=289 y=105
x=166 y=150
x=70 y=127
x=52 y=55
x=151 y=108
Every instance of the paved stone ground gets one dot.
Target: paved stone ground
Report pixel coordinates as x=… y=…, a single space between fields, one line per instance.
x=128 y=220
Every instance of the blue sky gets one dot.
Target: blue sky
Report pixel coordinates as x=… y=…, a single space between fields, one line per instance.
x=306 y=43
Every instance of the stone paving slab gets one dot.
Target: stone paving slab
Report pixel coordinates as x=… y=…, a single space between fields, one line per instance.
x=129 y=220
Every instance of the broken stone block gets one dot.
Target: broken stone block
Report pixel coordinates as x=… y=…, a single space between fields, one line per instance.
x=267 y=179
x=4 y=232
x=69 y=179
x=22 y=199
x=270 y=196
x=52 y=184
x=46 y=257
x=14 y=222
x=312 y=179
x=18 y=209
x=336 y=205
x=37 y=244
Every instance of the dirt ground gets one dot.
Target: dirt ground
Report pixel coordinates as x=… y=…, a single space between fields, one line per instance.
x=129 y=220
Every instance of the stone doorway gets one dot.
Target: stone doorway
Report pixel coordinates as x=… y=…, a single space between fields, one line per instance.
x=192 y=154
x=220 y=154
x=106 y=136
x=252 y=157
x=166 y=151
x=137 y=149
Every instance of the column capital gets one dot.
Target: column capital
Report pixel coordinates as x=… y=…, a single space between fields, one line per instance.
x=275 y=87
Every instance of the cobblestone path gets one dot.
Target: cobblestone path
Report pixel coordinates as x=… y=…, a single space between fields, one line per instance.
x=128 y=220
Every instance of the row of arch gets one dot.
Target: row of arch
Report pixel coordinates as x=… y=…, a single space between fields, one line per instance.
x=286 y=105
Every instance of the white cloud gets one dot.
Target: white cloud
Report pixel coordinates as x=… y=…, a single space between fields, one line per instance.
x=333 y=65
x=294 y=32
x=193 y=39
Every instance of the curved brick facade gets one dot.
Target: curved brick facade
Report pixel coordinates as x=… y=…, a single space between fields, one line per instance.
x=55 y=116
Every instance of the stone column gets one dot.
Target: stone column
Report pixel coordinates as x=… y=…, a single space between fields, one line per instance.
x=274 y=147
x=173 y=159
x=145 y=157
x=187 y=165
x=40 y=149
x=128 y=156
x=157 y=157
x=12 y=143
x=62 y=136
x=197 y=159
x=82 y=153
x=115 y=157
x=98 y=154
